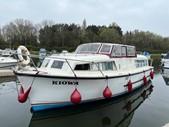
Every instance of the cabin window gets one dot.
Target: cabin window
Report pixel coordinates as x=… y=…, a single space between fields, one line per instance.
x=45 y=63
x=123 y=51
x=140 y=63
x=103 y=66
x=107 y=66
x=95 y=67
x=105 y=49
x=131 y=51
x=116 y=51
x=110 y=66
x=82 y=67
x=57 y=64
x=88 y=48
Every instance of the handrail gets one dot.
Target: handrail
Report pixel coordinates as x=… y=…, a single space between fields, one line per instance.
x=66 y=59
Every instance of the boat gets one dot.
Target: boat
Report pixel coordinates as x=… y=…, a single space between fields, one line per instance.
x=147 y=54
x=107 y=112
x=95 y=71
x=7 y=52
x=7 y=62
x=165 y=63
x=6 y=59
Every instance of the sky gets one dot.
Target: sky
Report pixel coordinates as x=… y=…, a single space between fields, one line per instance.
x=130 y=15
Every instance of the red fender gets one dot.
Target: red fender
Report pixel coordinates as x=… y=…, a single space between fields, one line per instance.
x=22 y=97
x=75 y=97
x=130 y=87
x=151 y=75
x=107 y=93
x=145 y=80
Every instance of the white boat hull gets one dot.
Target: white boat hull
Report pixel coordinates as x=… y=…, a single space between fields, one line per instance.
x=52 y=91
x=8 y=65
x=118 y=112
x=7 y=62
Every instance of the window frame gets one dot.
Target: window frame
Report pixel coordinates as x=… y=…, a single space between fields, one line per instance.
x=105 y=52
x=59 y=66
x=119 y=50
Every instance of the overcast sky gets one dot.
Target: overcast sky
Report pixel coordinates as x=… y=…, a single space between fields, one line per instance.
x=145 y=15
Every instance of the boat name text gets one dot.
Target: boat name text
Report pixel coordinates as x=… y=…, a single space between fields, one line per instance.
x=65 y=83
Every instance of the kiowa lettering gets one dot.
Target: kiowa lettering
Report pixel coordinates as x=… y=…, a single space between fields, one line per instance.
x=65 y=83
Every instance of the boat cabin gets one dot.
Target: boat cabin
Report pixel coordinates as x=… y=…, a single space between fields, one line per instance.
x=97 y=57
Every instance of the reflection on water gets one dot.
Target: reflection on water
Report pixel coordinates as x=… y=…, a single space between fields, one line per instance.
x=166 y=79
x=165 y=75
x=12 y=113
x=114 y=113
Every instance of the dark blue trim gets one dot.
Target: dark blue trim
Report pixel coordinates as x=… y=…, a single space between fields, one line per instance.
x=50 y=106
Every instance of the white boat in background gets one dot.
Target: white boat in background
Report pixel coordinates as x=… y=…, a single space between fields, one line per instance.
x=7 y=62
x=165 y=63
x=6 y=59
x=7 y=52
x=95 y=71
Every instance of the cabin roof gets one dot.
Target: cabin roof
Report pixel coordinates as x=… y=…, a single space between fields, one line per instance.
x=110 y=49
x=81 y=57
x=102 y=43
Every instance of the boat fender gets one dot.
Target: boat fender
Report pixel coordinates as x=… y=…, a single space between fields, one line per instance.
x=22 y=97
x=145 y=80
x=151 y=75
x=19 y=52
x=107 y=93
x=130 y=87
x=75 y=97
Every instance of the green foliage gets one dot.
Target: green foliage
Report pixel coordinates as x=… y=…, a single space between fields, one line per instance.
x=146 y=41
x=109 y=35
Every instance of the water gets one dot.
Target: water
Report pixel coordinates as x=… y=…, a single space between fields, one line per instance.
x=148 y=109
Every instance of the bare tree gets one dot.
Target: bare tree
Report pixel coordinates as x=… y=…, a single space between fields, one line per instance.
x=19 y=30
x=41 y=25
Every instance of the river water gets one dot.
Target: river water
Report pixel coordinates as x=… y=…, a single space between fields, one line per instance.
x=146 y=107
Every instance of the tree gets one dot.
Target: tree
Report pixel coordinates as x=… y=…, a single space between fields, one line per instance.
x=110 y=35
x=146 y=41
x=19 y=32
x=93 y=33
x=116 y=26
x=1 y=37
x=84 y=25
